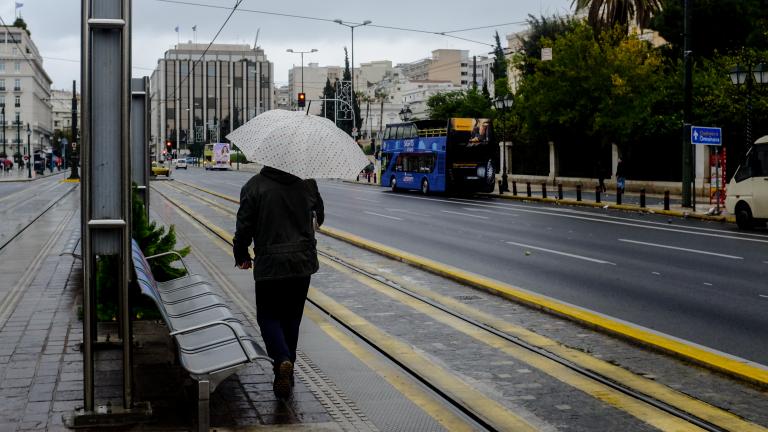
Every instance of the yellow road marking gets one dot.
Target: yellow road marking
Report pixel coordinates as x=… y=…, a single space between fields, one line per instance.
x=736 y=367
x=404 y=384
x=492 y=412
x=700 y=409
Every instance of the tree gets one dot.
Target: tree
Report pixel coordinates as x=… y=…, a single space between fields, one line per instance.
x=500 y=82
x=604 y=14
x=549 y=28
x=21 y=24
x=738 y=23
x=470 y=103
x=327 y=108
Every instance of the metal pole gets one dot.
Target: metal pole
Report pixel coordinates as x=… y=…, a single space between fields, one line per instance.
x=687 y=105
x=302 y=71
x=3 y=113
x=352 y=70
x=29 y=153
x=73 y=154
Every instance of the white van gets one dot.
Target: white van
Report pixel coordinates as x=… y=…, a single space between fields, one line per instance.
x=747 y=197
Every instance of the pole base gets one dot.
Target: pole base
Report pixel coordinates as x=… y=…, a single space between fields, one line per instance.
x=108 y=416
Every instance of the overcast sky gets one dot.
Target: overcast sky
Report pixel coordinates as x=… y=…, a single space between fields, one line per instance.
x=55 y=28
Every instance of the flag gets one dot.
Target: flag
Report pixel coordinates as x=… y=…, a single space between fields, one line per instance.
x=194 y=27
x=176 y=29
x=18 y=5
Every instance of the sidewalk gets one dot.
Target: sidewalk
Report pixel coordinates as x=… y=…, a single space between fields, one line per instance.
x=16 y=175
x=654 y=202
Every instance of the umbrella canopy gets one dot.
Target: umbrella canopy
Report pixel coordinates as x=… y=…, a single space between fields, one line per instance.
x=304 y=145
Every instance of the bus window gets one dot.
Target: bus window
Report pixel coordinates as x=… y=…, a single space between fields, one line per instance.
x=413 y=132
x=399 y=163
x=416 y=162
x=399 y=132
x=387 y=133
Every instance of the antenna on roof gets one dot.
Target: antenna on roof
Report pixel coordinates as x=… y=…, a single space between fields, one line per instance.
x=256 y=42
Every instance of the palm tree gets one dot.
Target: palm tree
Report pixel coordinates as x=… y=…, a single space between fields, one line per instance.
x=608 y=13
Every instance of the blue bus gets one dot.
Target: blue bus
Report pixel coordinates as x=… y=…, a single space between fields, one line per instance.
x=457 y=156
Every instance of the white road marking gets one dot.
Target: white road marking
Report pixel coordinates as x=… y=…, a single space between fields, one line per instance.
x=561 y=253
x=656 y=273
x=381 y=215
x=489 y=211
x=464 y=214
x=366 y=199
x=682 y=249
x=707 y=284
x=763 y=296
x=407 y=212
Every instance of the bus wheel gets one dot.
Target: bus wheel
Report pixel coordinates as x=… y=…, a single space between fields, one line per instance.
x=744 y=216
x=424 y=186
x=393 y=184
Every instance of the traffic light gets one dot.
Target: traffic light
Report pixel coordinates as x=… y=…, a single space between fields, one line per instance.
x=168 y=144
x=302 y=100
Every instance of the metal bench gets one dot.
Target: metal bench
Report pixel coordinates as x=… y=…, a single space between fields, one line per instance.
x=212 y=343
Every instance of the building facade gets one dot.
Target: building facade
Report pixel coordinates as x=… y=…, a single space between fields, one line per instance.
x=25 y=94
x=197 y=100
x=313 y=83
x=61 y=105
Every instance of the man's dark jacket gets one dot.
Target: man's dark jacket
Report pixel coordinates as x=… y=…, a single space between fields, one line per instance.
x=275 y=215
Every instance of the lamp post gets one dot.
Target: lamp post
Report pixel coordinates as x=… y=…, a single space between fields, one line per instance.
x=3 y=114
x=747 y=76
x=29 y=152
x=352 y=70
x=302 y=62
x=18 y=138
x=405 y=113
x=503 y=104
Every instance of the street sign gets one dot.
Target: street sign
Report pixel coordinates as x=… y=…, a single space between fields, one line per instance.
x=64 y=141
x=701 y=135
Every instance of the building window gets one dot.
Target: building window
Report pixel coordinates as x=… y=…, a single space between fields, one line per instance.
x=18 y=117
x=2 y=66
x=2 y=101
x=17 y=67
x=17 y=84
x=15 y=50
x=2 y=85
x=17 y=101
x=463 y=82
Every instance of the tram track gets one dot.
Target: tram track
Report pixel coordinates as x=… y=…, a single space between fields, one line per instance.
x=698 y=414
x=16 y=292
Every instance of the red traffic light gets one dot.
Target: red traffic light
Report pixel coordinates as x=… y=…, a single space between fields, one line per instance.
x=168 y=143
x=302 y=100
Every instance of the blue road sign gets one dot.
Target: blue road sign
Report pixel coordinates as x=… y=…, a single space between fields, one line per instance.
x=706 y=136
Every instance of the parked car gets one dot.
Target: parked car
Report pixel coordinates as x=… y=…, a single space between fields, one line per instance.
x=158 y=169
x=181 y=164
x=747 y=197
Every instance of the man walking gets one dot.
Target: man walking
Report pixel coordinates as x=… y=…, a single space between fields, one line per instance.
x=278 y=214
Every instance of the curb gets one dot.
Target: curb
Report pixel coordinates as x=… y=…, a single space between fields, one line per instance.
x=730 y=365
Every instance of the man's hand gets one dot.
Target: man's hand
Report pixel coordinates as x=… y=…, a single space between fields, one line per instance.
x=245 y=265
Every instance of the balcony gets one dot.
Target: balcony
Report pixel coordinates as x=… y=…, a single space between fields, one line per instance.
x=17 y=89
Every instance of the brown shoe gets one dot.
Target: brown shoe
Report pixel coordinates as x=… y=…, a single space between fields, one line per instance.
x=283 y=380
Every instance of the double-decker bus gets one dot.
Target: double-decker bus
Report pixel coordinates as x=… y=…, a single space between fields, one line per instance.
x=457 y=156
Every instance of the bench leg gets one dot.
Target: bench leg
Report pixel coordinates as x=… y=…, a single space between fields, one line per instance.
x=203 y=405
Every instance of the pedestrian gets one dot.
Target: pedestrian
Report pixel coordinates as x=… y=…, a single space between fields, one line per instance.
x=600 y=176
x=620 y=180
x=278 y=214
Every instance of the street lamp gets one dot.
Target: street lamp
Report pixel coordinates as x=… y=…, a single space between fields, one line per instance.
x=740 y=75
x=503 y=104
x=405 y=113
x=352 y=71
x=302 y=62
x=29 y=152
x=3 y=114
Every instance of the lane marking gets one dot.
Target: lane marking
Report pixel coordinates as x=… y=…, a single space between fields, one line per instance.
x=763 y=296
x=682 y=249
x=707 y=284
x=407 y=212
x=464 y=214
x=381 y=215
x=656 y=273
x=594 y=260
x=366 y=199
x=489 y=211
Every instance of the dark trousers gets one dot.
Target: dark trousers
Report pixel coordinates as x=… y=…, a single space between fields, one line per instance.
x=279 y=308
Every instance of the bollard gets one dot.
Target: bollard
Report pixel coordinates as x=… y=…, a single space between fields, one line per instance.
x=560 y=191
x=368 y=176
x=666 y=200
x=642 y=198
x=597 y=195
x=500 y=191
x=578 y=192
x=514 y=188
x=618 y=196
x=544 y=190
x=374 y=178
x=528 y=188
x=358 y=177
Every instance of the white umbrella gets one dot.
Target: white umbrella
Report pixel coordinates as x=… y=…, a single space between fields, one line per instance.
x=306 y=146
